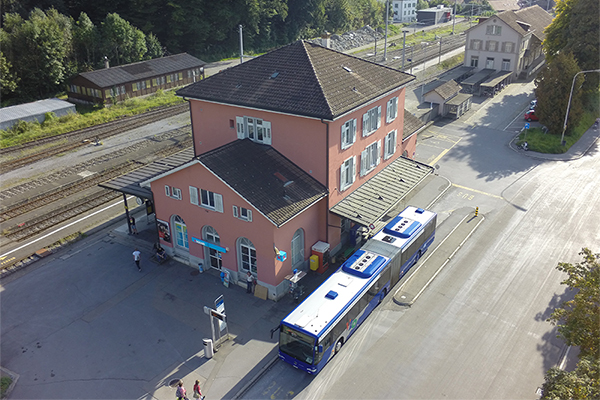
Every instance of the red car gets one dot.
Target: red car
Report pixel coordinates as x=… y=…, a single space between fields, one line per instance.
x=530 y=116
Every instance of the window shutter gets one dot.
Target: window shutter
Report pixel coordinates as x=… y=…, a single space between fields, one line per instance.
x=343 y=142
x=235 y=211
x=353 y=130
x=394 y=133
x=219 y=203
x=167 y=191
x=378 y=116
x=194 y=195
x=365 y=124
x=353 y=169
x=240 y=127
x=378 y=152
x=387 y=146
x=395 y=107
x=249 y=216
x=388 y=116
x=364 y=156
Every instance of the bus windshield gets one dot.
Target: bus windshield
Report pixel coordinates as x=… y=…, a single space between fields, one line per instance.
x=296 y=344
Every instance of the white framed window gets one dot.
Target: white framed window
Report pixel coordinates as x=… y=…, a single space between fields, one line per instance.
x=489 y=63
x=371 y=121
x=474 y=61
x=493 y=30
x=369 y=158
x=173 y=192
x=181 y=236
x=246 y=255
x=206 y=199
x=475 y=44
x=491 y=45
x=392 y=110
x=347 y=173
x=505 y=64
x=390 y=144
x=509 y=47
x=348 y=133
x=242 y=213
x=255 y=129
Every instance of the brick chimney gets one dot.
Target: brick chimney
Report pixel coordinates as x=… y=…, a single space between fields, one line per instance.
x=325 y=39
x=106 y=64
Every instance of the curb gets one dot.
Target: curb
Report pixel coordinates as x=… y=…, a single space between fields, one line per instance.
x=255 y=378
x=15 y=377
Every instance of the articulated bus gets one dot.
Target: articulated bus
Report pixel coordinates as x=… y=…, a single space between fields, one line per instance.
x=317 y=329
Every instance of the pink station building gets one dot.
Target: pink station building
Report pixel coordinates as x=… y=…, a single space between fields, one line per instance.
x=292 y=149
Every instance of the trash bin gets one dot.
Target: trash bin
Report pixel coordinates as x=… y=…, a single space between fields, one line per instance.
x=208 y=348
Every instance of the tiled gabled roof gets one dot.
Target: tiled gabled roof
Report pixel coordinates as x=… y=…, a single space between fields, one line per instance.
x=301 y=79
x=121 y=74
x=447 y=90
x=274 y=185
x=530 y=19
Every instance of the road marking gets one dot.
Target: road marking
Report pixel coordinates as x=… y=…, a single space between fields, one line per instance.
x=64 y=227
x=477 y=191
x=443 y=153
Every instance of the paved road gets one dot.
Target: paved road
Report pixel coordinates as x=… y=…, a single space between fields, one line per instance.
x=479 y=331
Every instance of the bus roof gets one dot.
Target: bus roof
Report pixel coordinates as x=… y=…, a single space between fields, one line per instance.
x=315 y=314
x=401 y=229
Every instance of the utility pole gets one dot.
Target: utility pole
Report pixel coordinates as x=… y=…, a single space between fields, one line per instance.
x=440 y=59
x=412 y=60
x=453 y=17
x=404 y=49
x=387 y=17
x=241 y=46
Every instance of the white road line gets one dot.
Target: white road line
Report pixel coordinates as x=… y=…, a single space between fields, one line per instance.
x=64 y=227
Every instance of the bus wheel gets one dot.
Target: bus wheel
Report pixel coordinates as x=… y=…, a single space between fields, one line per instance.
x=339 y=345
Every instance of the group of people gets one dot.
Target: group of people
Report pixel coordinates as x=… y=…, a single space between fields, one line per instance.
x=181 y=392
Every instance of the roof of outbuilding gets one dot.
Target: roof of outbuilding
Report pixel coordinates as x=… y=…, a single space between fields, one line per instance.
x=447 y=90
x=121 y=74
x=274 y=185
x=301 y=78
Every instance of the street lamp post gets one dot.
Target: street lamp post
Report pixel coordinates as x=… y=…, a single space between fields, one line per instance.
x=562 y=138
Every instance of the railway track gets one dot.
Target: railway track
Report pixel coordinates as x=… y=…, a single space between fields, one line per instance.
x=17 y=157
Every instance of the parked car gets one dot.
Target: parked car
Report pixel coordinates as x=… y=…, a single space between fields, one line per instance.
x=533 y=104
x=530 y=116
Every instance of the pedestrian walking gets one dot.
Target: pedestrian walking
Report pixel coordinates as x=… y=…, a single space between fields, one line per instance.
x=197 y=392
x=136 y=257
x=180 y=393
x=133 y=227
x=249 y=282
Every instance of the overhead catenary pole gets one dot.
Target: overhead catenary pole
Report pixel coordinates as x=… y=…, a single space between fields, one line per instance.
x=453 y=17
x=440 y=59
x=403 y=48
x=241 y=45
x=387 y=17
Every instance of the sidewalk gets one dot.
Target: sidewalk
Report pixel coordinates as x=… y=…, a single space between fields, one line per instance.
x=582 y=147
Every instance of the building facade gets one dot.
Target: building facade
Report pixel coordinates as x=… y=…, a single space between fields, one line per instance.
x=510 y=41
x=404 y=10
x=113 y=84
x=279 y=142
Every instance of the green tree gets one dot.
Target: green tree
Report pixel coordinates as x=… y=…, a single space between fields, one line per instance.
x=86 y=41
x=575 y=28
x=39 y=50
x=154 y=49
x=578 y=322
x=422 y=4
x=583 y=383
x=553 y=85
x=122 y=42
x=8 y=80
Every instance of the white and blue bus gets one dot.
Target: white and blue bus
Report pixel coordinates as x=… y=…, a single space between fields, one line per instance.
x=317 y=329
